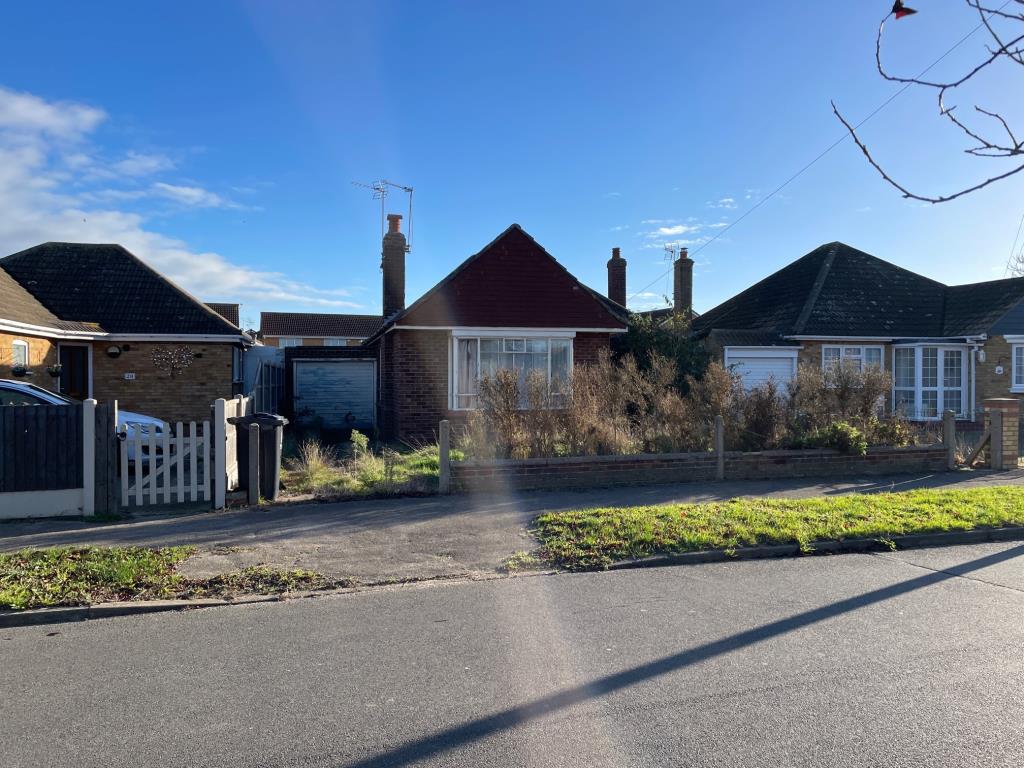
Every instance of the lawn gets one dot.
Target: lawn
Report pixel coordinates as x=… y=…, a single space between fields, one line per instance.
x=594 y=538
x=37 y=578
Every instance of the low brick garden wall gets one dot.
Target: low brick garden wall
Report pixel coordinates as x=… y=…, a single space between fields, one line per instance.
x=650 y=468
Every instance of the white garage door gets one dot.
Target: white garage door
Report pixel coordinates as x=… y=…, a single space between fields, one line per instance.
x=341 y=392
x=755 y=371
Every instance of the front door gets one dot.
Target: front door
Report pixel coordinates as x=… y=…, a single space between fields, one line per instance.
x=74 y=372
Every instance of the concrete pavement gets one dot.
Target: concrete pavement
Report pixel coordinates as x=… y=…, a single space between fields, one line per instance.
x=907 y=659
x=412 y=537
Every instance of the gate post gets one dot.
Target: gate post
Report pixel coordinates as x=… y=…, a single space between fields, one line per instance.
x=444 y=474
x=89 y=458
x=1004 y=413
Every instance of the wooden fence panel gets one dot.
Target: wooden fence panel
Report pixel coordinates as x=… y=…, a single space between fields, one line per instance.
x=40 y=448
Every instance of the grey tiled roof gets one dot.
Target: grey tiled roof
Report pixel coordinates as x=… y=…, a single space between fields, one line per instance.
x=836 y=290
x=319 y=324
x=105 y=287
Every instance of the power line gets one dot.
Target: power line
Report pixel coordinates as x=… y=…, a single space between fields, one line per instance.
x=820 y=155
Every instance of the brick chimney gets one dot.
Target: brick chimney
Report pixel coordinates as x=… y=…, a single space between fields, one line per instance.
x=393 y=265
x=682 y=293
x=617 y=278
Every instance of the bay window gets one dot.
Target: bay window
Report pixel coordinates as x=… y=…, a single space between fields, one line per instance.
x=475 y=357
x=857 y=357
x=928 y=380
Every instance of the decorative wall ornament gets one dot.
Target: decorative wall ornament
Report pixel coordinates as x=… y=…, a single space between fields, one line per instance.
x=173 y=360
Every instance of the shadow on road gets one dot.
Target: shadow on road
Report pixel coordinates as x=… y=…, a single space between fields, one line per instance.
x=480 y=728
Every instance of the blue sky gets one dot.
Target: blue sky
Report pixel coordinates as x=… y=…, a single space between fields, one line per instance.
x=219 y=140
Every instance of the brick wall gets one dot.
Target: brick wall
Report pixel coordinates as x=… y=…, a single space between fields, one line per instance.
x=998 y=352
x=597 y=471
x=586 y=346
x=185 y=397
x=41 y=353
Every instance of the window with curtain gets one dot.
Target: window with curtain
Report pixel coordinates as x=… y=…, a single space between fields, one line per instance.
x=858 y=357
x=1018 y=366
x=476 y=358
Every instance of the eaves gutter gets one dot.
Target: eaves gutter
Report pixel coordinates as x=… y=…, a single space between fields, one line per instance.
x=29 y=329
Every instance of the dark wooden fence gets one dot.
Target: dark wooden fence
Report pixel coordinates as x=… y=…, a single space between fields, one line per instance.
x=40 y=448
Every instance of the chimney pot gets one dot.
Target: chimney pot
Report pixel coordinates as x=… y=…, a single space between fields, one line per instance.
x=394 y=222
x=617 y=278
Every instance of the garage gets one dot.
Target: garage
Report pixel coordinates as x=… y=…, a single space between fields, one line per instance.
x=757 y=365
x=340 y=392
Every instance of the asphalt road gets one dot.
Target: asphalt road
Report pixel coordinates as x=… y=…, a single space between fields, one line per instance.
x=915 y=659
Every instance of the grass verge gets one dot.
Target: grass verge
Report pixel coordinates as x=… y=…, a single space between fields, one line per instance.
x=40 y=578
x=594 y=538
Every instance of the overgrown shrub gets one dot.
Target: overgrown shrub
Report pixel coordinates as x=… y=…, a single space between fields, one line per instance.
x=617 y=406
x=765 y=418
x=842 y=436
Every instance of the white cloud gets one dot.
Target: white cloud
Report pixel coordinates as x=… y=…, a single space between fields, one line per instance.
x=612 y=194
x=139 y=164
x=191 y=197
x=676 y=229
x=45 y=195
x=26 y=114
x=725 y=202
x=619 y=228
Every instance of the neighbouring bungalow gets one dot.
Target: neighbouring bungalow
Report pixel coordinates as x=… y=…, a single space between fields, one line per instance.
x=511 y=305
x=946 y=347
x=95 y=321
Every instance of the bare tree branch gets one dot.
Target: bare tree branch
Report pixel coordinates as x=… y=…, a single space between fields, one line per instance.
x=988 y=146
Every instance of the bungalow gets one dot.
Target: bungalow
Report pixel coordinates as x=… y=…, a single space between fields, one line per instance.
x=511 y=305
x=95 y=321
x=947 y=347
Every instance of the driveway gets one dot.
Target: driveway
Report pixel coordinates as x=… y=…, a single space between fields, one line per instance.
x=411 y=538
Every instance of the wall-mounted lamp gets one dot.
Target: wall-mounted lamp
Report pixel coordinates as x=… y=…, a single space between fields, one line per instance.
x=113 y=351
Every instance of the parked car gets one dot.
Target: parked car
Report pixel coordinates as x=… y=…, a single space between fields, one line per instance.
x=22 y=393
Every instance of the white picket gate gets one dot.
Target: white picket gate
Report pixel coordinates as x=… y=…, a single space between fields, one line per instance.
x=195 y=461
x=169 y=469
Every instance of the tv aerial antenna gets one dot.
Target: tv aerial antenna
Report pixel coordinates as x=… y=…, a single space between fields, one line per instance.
x=381 y=189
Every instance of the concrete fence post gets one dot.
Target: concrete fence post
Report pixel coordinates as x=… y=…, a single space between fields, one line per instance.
x=719 y=448
x=220 y=445
x=444 y=476
x=253 y=491
x=949 y=438
x=89 y=457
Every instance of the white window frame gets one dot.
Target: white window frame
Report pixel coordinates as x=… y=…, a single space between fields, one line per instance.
x=20 y=344
x=1016 y=370
x=863 y=353
x=504 y=334
x=284 y=342
x=966 y=406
